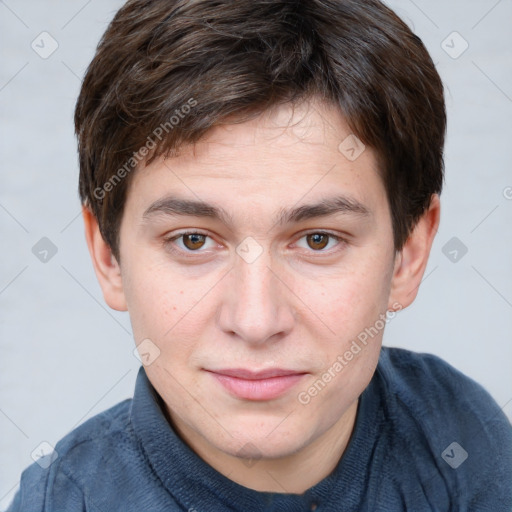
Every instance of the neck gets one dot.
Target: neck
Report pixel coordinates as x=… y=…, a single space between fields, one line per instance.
x=292 y=474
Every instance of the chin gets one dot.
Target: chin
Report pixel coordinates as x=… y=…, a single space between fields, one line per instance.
x=257 y=443
x=253 y=450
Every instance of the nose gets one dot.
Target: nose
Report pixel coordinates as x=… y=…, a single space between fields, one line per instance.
x=257 y=305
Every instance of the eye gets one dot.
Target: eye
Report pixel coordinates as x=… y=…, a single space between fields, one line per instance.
x=191 y=241
x=194 y=241
x=319 y=240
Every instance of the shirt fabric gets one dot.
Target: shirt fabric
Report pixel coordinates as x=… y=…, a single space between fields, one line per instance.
x=426 y=438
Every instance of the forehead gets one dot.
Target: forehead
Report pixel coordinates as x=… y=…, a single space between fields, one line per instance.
x=290 y=155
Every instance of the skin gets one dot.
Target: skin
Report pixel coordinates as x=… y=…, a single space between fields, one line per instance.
x=298 y=306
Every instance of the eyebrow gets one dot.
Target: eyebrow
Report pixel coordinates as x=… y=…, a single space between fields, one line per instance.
x=174 y=206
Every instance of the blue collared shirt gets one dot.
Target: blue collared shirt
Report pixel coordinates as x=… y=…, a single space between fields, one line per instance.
x=426 y=438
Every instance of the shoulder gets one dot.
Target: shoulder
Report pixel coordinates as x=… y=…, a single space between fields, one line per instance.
x=96 y=432
x=431 y=388
x=452 y=429
x=56 y=480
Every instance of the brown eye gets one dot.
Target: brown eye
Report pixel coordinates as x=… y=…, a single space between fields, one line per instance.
x=193 y=240
x=318 y=241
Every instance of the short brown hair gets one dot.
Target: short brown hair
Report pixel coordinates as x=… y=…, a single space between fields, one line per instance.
x=235 y=59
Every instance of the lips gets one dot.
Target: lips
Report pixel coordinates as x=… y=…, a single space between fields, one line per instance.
x=260 y=385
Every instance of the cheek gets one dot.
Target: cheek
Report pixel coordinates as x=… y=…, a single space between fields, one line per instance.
x=155 y=301
x=351 y=306
x=167 y=308
x=351 y=300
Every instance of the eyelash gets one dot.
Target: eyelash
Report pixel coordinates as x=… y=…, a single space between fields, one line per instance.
x=168 y=242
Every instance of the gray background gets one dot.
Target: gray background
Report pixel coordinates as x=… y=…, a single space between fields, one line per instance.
x=65 y=356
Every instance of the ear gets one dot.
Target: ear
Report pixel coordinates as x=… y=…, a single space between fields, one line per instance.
x=411 y=261
x=105 y=264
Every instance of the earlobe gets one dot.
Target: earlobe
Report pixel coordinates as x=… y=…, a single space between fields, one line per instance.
x=105 y=265
x=411 y=262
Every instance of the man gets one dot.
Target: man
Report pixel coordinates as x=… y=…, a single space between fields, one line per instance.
x=261 y=182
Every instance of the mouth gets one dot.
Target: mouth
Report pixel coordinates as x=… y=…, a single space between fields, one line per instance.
x=258 y=386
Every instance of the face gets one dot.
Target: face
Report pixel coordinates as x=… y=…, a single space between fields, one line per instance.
x=252 y=304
